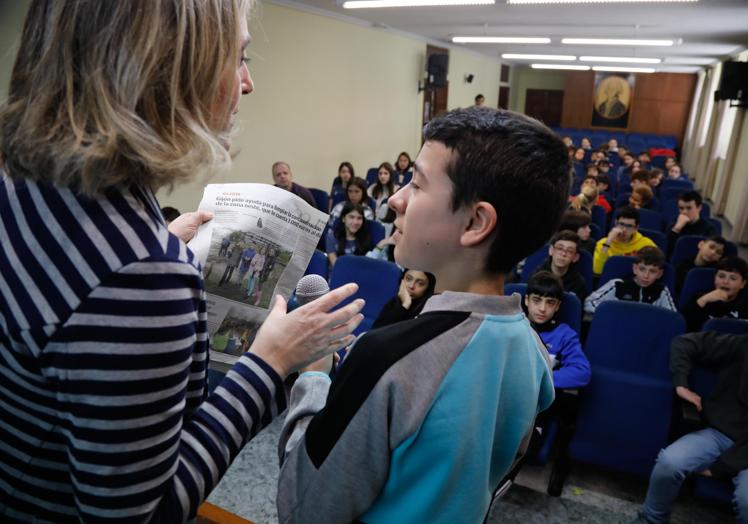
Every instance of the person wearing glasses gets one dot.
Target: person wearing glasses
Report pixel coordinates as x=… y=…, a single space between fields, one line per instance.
x=623 y=239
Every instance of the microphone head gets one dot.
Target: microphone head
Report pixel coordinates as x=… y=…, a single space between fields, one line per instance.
x=309 y=288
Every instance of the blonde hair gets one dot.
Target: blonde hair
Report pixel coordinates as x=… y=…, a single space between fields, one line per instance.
x=123 y=92
x=585 y=199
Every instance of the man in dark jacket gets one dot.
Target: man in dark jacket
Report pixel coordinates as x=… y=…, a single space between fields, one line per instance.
x=720 y=450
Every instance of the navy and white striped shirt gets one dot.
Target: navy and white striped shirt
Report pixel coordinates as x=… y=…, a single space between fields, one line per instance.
x=103 y=355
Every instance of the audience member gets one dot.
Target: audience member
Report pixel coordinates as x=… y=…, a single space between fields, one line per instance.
x=586 y=144
x=711 y=250
x=603 y=167
x=641 y=197
x=587 y=198
x=479 y=100
x=643 y=286
x=383 y=188
x=623 y=239
x=402 y=168
x=170 y=214
x=720 y=450
x=725 y=300
x=356 y=194
x=645 y=160
x=675 y=173
x=283 y=178
x=416 y=287
x=689 y=221
x=563 y=255
x=388 y=417
x=639 y=179
x=592 y=170
x=346 y=173
x=571 y=369
x=568 y=142
x=613 y=145
x=627 y=162
x=655 y=179
x=350 y=236
x=579 y=222
x=670 y=162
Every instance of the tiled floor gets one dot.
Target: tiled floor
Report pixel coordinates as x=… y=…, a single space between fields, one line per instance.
x=590 y=496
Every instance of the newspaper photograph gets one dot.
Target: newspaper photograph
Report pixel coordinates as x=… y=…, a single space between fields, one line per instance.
x=258 y=245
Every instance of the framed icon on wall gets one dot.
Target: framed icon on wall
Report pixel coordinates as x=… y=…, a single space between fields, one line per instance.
x=612 y=99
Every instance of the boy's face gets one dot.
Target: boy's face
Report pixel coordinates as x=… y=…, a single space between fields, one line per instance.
x=690 y=209
x=589 y=182
x=710 y=251
x=635 y=200
x=563 y=253
x=731 y=282
x=579 y=154
x=541 y=309
x=602 y=187
x=428 y=231
x=645 y=275
x=628 y=227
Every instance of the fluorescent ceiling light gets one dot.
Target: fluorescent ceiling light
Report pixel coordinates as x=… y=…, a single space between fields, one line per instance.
x=370 y=4
x=561 y=66
x=620 y=59
x=500 y=40
x=614 y=69
x=520 y=2
x=519 y=56
x=616 y=41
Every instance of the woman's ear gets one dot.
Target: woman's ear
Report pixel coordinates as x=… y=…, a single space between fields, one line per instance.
x=482 y=223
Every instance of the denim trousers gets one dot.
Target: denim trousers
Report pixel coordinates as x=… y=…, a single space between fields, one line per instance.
x=689 y=454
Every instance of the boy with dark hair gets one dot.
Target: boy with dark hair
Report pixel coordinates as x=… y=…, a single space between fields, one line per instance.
x=623 y=239
x=689 y=221
x=571 y=369
x=711 y=250
x=579 y=222
x=563 y=255
x=725 y=300
x=640 y=179
x=384 y=430
x=643 y=286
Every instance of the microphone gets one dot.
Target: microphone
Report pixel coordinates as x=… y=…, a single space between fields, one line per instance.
x=309 y=288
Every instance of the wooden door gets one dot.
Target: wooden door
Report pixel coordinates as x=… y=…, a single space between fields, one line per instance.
x=545 y=105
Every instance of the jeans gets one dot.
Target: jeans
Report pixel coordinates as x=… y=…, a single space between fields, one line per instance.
x=692 y=453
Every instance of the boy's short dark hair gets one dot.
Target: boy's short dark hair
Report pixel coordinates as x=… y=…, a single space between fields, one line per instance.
x=506 y=159
x=545 y=284
x=691 y=196
x=733 y=265
x=655 y=172
x=603 y=162
x=572 y=220
x=568 y=236
x=718 y=240
x=628 y=212
x=641 y=176
x=651 y=256
x=589 y=177
x=603 y=179
x=627 y=153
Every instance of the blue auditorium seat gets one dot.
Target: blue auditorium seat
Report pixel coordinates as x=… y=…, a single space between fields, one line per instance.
x=657 y=236
x=698 y=281
x=735 y=326
x=376 y=231
x=318 y=265
x=600 y=217
x=371 y=176
x=619 y=266
x=625 y=412
x=321 y=199
x=377 y=281
x=571 y=307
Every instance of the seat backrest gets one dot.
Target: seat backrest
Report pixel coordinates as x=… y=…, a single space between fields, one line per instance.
x=318 y=265
x=321 y=198
x=532 y=262
x=649 y=219
x=600 y=217
x=371 y=175
x=571 y=307
x=699 y=280
x=686 y=247
x=376 y=231
x=735 y=326
x=656 y=236
x=377 y=280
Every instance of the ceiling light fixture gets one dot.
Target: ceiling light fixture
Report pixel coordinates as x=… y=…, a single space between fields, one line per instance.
x=620 y=59
x=371 y=4
x=519 y=56
x=500 y=40
x=617 y=41
x=527 y=2
x=561 y=66
x=613 y=69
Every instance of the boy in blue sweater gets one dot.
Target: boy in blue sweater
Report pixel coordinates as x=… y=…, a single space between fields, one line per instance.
x=426 y=416
x=571 y=369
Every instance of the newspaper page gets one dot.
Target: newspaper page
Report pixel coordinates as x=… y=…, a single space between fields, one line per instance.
x=257 y=246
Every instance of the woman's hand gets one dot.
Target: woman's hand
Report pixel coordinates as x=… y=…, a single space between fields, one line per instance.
x=185 y=225
x=290 y=341
x=404 y=296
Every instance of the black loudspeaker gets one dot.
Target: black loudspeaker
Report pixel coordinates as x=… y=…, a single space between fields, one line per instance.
x=438 y=67
x=733 y=83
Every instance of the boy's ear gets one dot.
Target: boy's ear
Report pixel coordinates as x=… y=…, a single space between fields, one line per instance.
x=576 y=258
x=483 y=221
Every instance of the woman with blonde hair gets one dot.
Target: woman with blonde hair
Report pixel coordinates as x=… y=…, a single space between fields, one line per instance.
x=103 y=341
x=585 y=199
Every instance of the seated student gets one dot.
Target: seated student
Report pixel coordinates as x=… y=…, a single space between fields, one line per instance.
x=566 y=139
x=355 y=193
x=603 y=184
x=689 y=221
x=283 y=178
x=623 y=239
x=416 y=287
x=585 y=144
x=645 y=159
x=613 y=145
x=402 y=167
x=346 y=173
x=350 y=235
x=675 y=173
x=563 y=255
x=643 y=286
x=592 y=170
x=571 y=369
x=720 y=450
x=655 y=180
x=579 y=222
x=585 y=199
x=641 y=198
x=711 y=250
x=601 y=201
x=603 y=167
x=391 y=429
x=725 y=300
x=639 y=179
x=383 y=188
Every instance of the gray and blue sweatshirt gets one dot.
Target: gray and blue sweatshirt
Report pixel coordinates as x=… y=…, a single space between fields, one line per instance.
x=423 y=420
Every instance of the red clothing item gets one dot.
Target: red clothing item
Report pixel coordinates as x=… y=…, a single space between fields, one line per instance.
x=604 y=203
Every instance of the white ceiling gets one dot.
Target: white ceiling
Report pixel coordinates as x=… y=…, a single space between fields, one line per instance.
x=707 y=31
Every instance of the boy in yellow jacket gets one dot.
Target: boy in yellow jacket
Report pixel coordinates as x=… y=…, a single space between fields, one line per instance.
x=623 y=239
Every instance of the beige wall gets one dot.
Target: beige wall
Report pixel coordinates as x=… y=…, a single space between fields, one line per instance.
x=486 y=82
x=11 y=24
x=523 y=78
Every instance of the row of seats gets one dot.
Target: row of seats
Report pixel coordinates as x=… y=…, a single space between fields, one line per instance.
x=635 y=141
